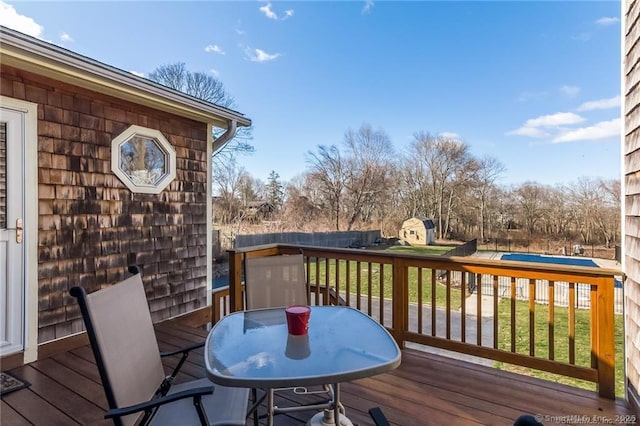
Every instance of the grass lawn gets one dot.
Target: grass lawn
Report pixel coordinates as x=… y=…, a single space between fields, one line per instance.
x=373 y=270
x=561 y=341
x=425 y=250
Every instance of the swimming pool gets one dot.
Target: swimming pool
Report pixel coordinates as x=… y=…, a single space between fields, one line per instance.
x=525 y=257
x=540 y=258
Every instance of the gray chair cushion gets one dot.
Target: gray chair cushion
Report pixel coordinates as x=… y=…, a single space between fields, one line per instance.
x=227 y=406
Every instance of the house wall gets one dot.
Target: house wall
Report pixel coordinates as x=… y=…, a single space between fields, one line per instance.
x=631 y=152
x=90 y=226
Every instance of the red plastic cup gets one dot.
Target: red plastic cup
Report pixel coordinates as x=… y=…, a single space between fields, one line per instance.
x=298 y=319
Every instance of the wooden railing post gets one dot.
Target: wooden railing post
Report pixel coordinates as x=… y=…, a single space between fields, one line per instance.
x=605 y=337
x=400 y=302
x=235 y=281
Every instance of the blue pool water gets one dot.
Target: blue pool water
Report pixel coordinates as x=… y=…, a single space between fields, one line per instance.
x=220 y=282
x=574 y=261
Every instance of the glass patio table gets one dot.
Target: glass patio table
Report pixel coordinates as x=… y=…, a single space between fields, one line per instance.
x=253 y=349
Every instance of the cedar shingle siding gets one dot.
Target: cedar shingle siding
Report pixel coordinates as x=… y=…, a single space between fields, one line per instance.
x=91 y=227
x=632 y=190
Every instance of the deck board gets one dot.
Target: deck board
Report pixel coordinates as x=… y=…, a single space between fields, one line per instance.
x=426 y=389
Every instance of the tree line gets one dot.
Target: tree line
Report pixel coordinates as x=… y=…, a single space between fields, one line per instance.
x=364 y=184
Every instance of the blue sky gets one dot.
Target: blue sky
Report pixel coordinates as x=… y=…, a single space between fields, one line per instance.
x=534 y=84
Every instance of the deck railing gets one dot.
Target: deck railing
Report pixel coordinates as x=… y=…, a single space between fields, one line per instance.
x=428 y=300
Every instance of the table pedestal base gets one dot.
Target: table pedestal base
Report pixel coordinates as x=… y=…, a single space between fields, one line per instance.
x=327 y=418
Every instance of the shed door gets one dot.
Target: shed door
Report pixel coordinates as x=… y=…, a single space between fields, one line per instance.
x=12 y=284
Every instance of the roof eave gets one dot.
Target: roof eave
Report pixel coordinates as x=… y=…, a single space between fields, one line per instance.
x=33 y=55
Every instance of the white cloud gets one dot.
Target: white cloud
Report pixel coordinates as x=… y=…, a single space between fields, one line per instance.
x=266 y=9
x=258 y=55
x=554 y=120
x=269 y=13
x=534 y=126
x=10 y=18
x=571 y=91
x=214 y=71
x=532 y=132
x=215 y=49
x=450 y=135
x=64 y=37
x=368 y=5
x=602 y=130
x=139 y=74
x=607 y=20
x=600 y=104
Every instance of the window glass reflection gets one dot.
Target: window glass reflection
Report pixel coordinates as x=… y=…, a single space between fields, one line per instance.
x=143 y=160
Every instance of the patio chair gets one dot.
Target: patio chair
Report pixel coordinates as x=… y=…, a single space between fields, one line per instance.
x=273 y=282
x=124 y=345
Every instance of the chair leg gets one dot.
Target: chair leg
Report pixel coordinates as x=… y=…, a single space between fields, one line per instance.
x=378 y=417
x=197 y=401
x=254 y=399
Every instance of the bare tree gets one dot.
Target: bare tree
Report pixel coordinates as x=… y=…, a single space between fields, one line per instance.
x=299 y=209
x=329 y=174
x=208 y=88
x=448 y=163
x=530 y=200
x=368 y=162
x=489 y=170
x=228 y=180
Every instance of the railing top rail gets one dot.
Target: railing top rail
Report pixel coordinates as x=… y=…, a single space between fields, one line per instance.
x=471 y=264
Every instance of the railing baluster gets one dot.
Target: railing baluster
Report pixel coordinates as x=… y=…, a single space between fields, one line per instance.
x=479 y=309
x=337 y=275
x=513 y=314
x=317 y=289
x=359 y=285
x=348 y=282
x=381 y=291
x=419 y=283
x=309 y=278
x=463 y=307
x=572 y=323
x=532 y=317
x=552 y=302
x=495 y=312
x=327 y=269
x=369 y=288
x=434 y=305
x=448 y=311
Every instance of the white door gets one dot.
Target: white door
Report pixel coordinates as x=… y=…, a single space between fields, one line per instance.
x=12 y=189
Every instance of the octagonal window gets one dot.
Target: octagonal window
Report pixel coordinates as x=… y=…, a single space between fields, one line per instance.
x=143 y=159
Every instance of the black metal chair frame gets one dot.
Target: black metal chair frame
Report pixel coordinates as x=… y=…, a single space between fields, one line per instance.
x=149 y=407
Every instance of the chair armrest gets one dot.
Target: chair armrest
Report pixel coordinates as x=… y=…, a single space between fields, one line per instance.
x=185 y=353
x=184 y=350
x=157 y=402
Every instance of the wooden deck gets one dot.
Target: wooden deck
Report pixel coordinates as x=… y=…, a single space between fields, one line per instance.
x=425 y=390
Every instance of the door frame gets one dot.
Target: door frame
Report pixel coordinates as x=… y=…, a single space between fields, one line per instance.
x=30 y=171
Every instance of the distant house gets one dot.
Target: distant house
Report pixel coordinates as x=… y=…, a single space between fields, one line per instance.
x=99 y=169
x=259 y=210
x=418 y=230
